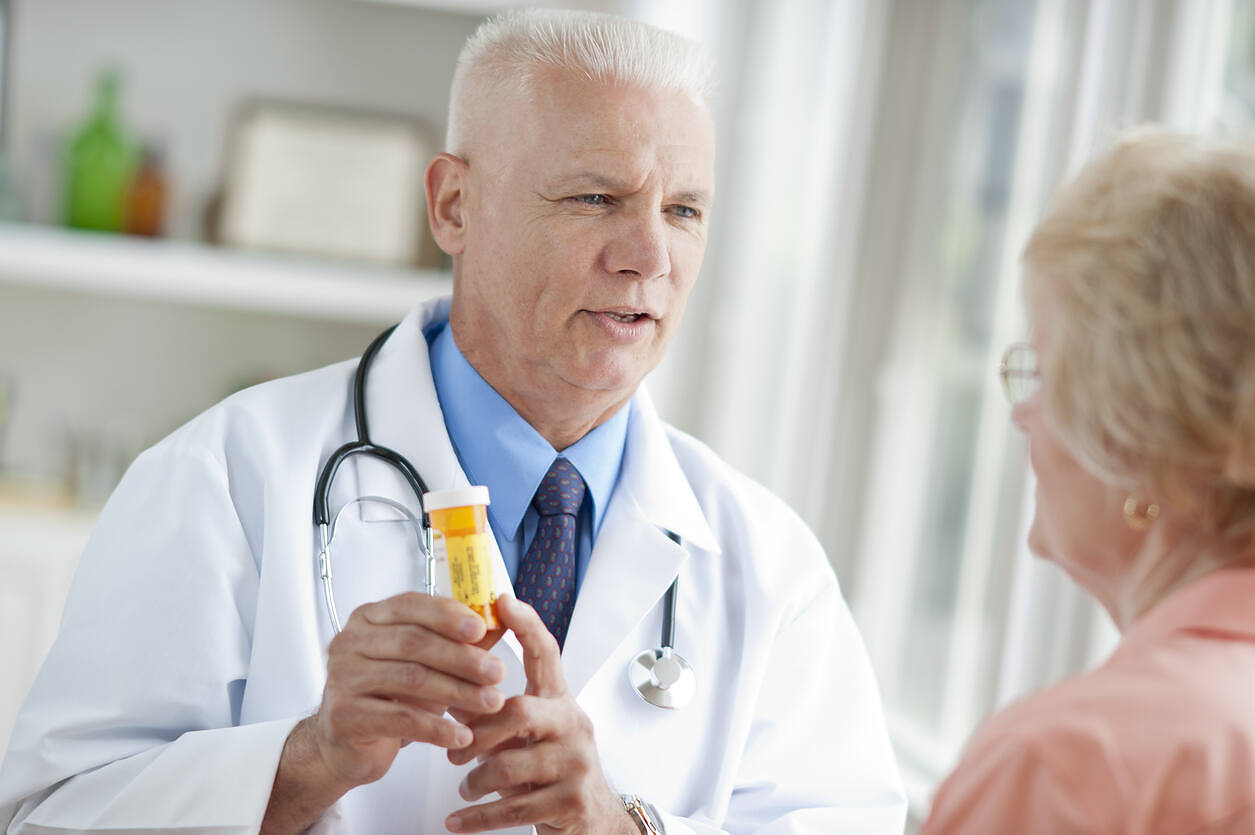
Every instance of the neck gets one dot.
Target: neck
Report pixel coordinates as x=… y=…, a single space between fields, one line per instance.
x=561 y=414
x=561 y=421
x=1166 y=564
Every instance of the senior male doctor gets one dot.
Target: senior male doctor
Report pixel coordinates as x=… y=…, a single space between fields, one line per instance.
x=197 y=683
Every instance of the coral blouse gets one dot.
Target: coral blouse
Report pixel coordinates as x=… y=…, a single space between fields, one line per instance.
x=1159 y=739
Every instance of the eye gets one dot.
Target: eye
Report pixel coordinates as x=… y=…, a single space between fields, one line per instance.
x=593 y=199
x=687 y=212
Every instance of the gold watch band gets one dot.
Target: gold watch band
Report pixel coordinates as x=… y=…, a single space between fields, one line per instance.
x=641 y=814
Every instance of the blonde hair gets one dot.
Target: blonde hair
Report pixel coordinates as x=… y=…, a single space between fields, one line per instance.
x=1145 y=263
x=505 y=53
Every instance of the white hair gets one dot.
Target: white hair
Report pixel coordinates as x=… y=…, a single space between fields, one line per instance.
x=507 y=50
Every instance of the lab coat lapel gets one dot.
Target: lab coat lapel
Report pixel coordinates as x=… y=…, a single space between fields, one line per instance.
x=633 y=561
x=404 y=415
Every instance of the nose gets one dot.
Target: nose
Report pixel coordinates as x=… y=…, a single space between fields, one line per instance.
x=639 y=247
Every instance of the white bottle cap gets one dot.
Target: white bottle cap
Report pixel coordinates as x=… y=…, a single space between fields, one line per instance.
x=458 y=497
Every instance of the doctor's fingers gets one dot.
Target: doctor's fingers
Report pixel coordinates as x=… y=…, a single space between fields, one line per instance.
x=408 y=682
x=561 y=805
x=408 y=642
x=531 y=719
x=445 y=615
x=513 y=771
x=542 y=659
x=517 y=810
x=362 y=721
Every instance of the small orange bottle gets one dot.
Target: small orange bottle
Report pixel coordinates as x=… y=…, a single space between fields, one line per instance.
x=459 y=518
x=146 y=197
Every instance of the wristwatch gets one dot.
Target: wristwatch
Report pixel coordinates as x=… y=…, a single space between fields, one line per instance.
x=642 y=814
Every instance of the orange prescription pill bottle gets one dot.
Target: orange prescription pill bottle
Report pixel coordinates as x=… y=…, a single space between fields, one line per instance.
x=459 y=519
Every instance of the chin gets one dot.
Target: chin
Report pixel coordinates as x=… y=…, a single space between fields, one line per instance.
x=609 y=373
x=1037 y=541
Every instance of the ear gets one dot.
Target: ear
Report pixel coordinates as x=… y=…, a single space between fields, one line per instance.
x=445 y=182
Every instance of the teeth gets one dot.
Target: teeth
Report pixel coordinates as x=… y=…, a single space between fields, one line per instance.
x=624 y=317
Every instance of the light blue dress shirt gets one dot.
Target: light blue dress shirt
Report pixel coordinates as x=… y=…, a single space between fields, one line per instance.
x=500 y=450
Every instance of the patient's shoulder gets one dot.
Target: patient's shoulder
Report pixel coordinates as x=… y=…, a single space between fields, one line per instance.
x=1136 y=745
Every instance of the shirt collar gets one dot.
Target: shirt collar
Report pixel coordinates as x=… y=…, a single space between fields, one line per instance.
x=1218 y=602
x=501 y=450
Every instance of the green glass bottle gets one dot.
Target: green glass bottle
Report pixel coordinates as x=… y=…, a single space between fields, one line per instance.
x=99 y=163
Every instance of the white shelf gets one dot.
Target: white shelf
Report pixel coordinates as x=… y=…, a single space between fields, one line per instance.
x=190 y=273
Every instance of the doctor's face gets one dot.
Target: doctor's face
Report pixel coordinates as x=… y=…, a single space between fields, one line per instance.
x=585 y=225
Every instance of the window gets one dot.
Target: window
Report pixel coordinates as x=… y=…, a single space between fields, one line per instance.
x=881 y=167
x=1237 y=109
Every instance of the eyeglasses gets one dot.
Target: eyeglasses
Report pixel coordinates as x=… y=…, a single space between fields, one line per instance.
x=1020 y=377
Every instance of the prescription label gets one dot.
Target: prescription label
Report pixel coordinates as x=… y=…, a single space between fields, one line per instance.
x=470 y=568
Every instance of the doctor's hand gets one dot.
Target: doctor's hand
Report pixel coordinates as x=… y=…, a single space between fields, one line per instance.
x=392 y=673
x=538 y=751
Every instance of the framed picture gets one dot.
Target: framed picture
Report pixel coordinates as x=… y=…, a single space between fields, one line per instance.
x=327 y=181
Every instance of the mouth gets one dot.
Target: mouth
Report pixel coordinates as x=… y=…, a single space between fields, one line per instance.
x=625 y=324
x=626 y=316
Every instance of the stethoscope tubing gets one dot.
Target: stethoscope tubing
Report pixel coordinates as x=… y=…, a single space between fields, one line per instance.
x=363 y=445
x=668 y=608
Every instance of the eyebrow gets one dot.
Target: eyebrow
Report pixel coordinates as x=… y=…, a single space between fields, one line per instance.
x=701 y=198
x=590 y=178
x=601 y=181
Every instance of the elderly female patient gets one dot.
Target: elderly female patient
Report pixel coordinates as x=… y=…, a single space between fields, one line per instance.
x=1137 y=395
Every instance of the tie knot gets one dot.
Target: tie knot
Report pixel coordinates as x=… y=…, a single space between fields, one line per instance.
x=560 y=491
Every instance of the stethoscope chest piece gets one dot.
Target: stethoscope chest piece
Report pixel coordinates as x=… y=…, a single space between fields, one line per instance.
x=663 y=678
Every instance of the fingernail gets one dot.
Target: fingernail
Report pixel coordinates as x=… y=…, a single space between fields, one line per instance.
x=470 y=627
x=453 y=823
x=493 y=699
x=463 y=737
x=493 y=668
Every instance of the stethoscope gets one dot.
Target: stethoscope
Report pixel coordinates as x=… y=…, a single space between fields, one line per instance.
x=660 y=676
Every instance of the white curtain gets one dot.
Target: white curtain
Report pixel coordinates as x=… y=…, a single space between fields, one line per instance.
x=881 y=163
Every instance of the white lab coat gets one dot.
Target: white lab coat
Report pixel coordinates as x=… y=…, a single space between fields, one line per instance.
x=195 y=634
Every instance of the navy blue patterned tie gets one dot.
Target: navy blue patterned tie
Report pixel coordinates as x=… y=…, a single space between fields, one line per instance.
x=546 y=577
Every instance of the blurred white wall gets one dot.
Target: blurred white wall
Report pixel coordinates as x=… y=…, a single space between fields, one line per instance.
x=111 y=376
